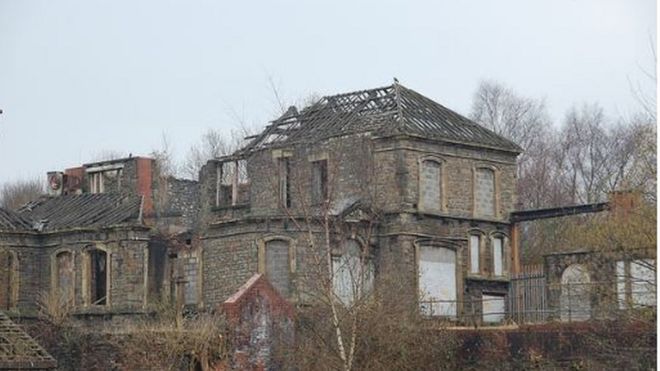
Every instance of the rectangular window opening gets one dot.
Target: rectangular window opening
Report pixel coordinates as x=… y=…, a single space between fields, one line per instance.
x=498 y=254
x=474 y=254
x=319 y=181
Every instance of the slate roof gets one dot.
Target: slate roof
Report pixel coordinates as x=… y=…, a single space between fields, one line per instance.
x=19 y=351
x=80 y=211
x=384 y=111
x=12 y=221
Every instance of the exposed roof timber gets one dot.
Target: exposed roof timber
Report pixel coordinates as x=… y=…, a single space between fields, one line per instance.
x=556 y=212
x=385 y=111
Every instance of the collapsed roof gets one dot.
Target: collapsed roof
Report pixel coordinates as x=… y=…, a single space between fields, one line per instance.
x=18 y=350
x=385 y=111
x=73 y=211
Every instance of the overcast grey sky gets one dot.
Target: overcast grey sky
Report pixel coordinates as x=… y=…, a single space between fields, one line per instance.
x=81 y=77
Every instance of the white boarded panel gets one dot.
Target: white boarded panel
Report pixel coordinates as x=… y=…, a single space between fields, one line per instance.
x=493 y=308
x=474 y=254
x=437 y=281
x=642 y=285
x=497 y=257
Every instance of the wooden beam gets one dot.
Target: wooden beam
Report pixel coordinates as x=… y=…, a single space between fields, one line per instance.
x=556 y=212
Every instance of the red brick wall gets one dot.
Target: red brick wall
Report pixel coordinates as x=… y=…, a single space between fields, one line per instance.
x=144 y=184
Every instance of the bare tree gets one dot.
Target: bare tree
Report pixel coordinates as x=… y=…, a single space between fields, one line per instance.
x=520 y=119
x=164 y=157
x=211 y=145
x=16 y=194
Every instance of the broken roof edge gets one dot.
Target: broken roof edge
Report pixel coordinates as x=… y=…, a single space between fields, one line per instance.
x=483 y=137
x=115 y=161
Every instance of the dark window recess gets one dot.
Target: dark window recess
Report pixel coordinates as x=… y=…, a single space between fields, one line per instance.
x=319 y=181
x=285 y=181
x=98 y=279
x=6 y=280
x=157 y=264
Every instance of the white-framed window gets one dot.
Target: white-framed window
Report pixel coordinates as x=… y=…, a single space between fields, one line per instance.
x=475 y=247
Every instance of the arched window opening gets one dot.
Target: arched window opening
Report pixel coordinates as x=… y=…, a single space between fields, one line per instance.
x=98 y=277
x=475 y=253
x=430 y=185
x=484 y=189
x=352 y=274
x=278 y=267
x=437 y=281
x=575 y=300
x=64 y=277
x=498 y=256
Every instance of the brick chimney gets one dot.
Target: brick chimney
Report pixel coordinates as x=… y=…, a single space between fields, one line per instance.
x=624 y=202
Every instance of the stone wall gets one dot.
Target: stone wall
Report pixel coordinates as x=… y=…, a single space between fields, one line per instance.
x=36 y=261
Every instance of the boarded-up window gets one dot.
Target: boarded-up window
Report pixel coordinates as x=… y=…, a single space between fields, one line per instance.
x=575 y=299
x=190 y=266
x=498 y=255
x=430 y=186
x=8 y=280
x=437 y=281
x=278 y=269
x=64 y=277
x=493 y=308
x=636 y=283
x=475 y=242
x=352 y=277
x=319 y=181
x=642 y=283
x=484 y=189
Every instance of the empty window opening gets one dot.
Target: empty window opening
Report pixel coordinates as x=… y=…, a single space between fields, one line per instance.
x=284 y=169
x=498 y=256
x=319 y=181
x=64 y=282
x=278 y=265
x=493 y=308
x=437 y=281
x=575 y=299
x=227 y=177
x=98 y=277
x=484 y=189
x=475 y=242
x=430 y=186
x=352 y=274
x=8 y=280
x=96 y=182
x=636 y=283
x=156 y=269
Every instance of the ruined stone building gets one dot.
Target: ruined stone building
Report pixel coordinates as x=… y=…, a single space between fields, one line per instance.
x=442 y=188
x=96 y=241
x=420 y=193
